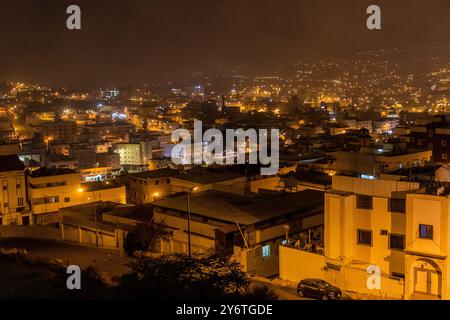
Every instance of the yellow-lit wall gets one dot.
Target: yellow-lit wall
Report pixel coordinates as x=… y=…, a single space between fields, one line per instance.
x=12 y=193
x=342 y=221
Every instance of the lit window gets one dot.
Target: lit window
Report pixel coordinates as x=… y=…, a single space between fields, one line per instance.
x=266 y=250
x=425 y=231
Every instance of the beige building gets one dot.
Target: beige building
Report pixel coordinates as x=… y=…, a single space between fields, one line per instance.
x=145 y=187
x=373 y=164
x=250 y=228
x=101 y=223
x=375 y=225
x=13 y=205
x=52 y=189
x=63 y=131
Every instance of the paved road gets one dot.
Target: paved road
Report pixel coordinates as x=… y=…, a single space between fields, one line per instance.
x=284 y=292
x=102 y=259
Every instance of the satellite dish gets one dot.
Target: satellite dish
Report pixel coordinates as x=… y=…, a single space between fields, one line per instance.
x=442 y=174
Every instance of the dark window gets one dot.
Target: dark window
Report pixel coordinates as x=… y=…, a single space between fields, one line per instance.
x=398 y=275
x=364 y=202
x=397 y=205
x=168 y=181
x=25 y=221
x=365 y=237
x=67 y=199
x=156 y=182
x=425 y=231
x=396 y=242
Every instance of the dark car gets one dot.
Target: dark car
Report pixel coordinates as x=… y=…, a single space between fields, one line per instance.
x=319 y=289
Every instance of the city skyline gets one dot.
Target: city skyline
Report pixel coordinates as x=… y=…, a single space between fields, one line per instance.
x=144 y=42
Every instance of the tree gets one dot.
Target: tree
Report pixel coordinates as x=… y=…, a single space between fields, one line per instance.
x=178 y=277
x=145 y=237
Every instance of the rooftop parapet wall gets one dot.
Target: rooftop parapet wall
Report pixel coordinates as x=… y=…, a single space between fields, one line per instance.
x=377 y=188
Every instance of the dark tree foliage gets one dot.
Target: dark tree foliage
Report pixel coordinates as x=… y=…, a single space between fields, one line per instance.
x=178 y=277
x=145 y=237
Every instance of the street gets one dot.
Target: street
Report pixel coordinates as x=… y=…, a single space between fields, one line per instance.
x=103 y=260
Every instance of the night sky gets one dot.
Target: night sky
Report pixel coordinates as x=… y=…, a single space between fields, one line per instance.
x=136 y=41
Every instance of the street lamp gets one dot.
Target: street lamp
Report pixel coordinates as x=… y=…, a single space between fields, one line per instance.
x=188 y=204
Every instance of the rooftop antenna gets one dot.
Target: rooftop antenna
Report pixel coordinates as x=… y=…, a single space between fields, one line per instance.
x=242 y=234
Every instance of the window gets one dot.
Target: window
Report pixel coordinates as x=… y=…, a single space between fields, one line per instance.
x=266 y=251
x=444 y=143
x=397 y=205
x=156 y=182
x=364 y=202
x=398 y=275
x=37 y=201
x=425 y=231
x=396 y=242
x=365 y=237
x=444 y=156
x=67 y=199
x=20 y=202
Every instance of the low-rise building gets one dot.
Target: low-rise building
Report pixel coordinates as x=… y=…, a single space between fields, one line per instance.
x=101 y=223
x=13 y=205
x=52 y=189
x=248 y=227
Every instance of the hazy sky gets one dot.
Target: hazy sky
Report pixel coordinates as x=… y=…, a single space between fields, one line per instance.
x=134 y=41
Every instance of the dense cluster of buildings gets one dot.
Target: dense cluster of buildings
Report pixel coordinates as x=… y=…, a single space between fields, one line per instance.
x=363 y=179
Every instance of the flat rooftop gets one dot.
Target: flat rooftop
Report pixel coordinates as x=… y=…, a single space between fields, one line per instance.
x=48 y=172
x=110 y=215
x=198 y=175
x=247 y=210
x=11 y=163
x=100 y=185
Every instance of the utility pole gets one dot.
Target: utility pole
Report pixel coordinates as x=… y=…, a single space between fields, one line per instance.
x=189 y=223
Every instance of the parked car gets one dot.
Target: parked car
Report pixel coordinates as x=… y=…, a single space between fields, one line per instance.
x=319 y=289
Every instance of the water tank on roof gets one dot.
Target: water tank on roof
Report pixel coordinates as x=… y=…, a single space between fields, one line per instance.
x=442 y=174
